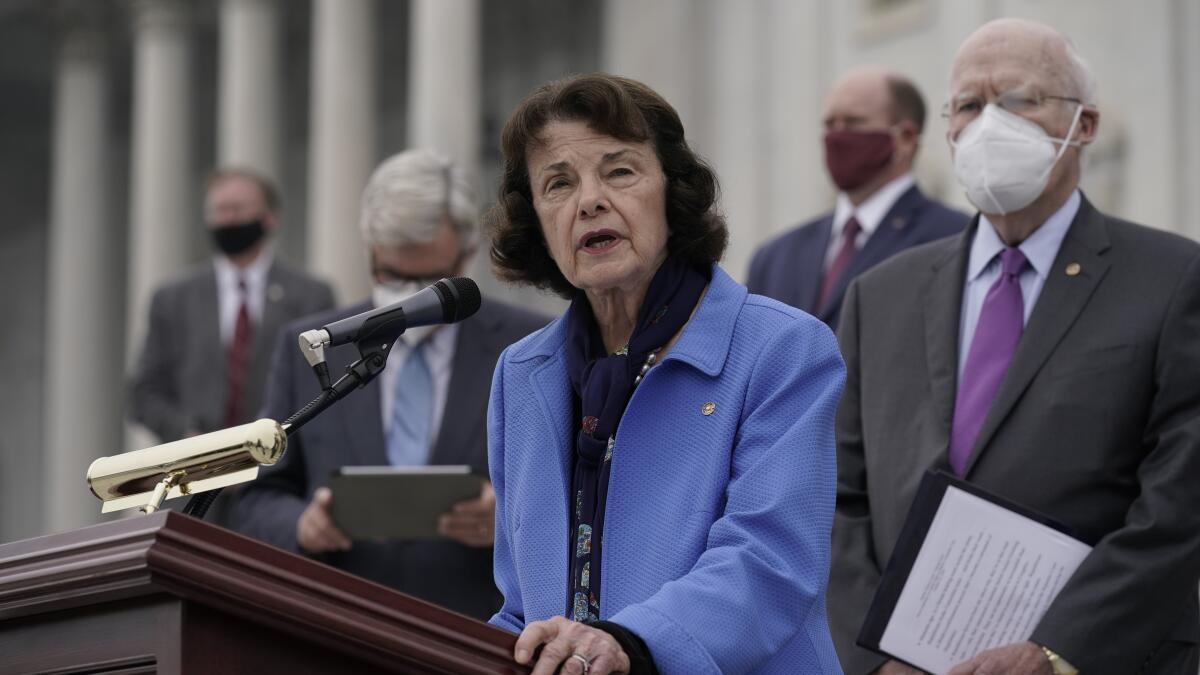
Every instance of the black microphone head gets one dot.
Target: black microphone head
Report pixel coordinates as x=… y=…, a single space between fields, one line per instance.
x=460 y=298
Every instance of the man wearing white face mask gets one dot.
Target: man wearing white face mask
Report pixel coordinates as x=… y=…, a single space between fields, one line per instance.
x=418 y=221
x=1048 y=355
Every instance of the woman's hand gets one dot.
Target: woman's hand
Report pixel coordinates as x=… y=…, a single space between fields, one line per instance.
x=577 y=648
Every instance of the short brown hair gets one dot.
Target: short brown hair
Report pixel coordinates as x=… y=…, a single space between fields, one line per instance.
x=907 y=102
x=624 y=109
x=266 y=186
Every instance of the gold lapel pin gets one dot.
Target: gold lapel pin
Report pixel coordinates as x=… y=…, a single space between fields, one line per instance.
x=708 y=408
x=1073 y=269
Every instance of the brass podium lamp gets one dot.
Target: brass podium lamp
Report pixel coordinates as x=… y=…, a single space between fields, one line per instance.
x=144 y=478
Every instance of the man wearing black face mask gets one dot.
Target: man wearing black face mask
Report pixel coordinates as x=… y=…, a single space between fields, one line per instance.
x=204 y=363
x=873 y=121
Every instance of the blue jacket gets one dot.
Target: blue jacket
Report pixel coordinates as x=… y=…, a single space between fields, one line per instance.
x=717 y=525
x=790 y=267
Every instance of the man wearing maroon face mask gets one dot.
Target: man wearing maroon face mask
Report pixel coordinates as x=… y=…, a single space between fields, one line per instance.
x=873 y=121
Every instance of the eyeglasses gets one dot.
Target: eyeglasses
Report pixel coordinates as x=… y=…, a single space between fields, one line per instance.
x=389 y=275
x=964 y=108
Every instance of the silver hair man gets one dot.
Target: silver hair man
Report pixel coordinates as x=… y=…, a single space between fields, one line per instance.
x=410 y=193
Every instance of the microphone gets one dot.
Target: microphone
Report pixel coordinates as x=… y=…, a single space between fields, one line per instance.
x=447 y=301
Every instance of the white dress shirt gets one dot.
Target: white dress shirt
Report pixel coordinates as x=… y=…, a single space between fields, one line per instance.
x=229 y=299
x=439 y=355
x=983 y=267
x=869 y=214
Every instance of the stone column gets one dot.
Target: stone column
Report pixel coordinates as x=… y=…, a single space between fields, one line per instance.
x=659 y=43
x=1186 y=62
x=444 y=69
x=797 y=73
x=163 y=202
x=84 y=320
x=250 y=79
x=737 y=101
x=342 y=140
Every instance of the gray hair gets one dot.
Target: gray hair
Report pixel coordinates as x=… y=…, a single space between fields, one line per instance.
x=410 y=193
x=1079 y=74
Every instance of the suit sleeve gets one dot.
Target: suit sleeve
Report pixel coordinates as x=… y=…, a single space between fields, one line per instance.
x=755 y=281
x=855 y=572
x=154 y=398
x=763 y=572
x=512 y=613
x=324 y=298
x=270 y=506
x=1132 y=588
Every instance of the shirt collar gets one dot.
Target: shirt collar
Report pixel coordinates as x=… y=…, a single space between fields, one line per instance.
x=1040 y=248
x=255 y=275
x=441 y=344
x=872 y=211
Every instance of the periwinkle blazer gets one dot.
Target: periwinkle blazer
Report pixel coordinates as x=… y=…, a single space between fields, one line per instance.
x=717 y=526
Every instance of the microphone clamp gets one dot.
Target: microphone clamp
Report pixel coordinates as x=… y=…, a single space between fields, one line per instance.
x=312 y=346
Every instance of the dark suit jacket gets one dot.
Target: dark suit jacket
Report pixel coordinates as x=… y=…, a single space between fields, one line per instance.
x=351 y=433
x=179 y=382
x=1097 y=424
x=789 y=268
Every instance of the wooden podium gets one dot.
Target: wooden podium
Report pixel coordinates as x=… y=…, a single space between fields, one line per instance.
x=168 y=593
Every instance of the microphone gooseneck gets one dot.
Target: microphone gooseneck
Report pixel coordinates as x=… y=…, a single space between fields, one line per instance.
x=373 y=334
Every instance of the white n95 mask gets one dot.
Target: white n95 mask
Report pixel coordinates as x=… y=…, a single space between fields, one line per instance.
x=1004 y=160
x=391 y=292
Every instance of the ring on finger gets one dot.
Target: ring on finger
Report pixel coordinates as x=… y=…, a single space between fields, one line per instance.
x=587 y=664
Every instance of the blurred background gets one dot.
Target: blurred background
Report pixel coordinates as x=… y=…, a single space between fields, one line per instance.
x=112 y=111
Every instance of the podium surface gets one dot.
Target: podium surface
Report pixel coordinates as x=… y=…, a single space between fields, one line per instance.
x=166 y=593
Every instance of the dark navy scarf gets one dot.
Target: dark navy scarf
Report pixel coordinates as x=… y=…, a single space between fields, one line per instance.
x=603 y=385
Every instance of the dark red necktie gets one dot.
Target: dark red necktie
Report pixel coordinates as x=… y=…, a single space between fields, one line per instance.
x=236 y=358
x=841 y=262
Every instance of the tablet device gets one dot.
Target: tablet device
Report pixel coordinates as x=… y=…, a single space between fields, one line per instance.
x=398 y=502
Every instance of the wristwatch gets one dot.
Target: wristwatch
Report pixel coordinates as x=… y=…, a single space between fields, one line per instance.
x=1058 y=664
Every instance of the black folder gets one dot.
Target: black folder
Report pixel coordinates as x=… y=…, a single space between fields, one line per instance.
x=912 y=537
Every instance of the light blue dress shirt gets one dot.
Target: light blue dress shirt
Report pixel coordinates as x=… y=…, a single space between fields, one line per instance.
x=983 y=267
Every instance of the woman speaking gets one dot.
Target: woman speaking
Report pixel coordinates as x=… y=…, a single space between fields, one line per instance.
x=663 y=453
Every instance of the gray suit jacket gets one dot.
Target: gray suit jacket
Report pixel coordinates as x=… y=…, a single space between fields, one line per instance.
x=179 y=382
x=1097 y=425
x=351 y=433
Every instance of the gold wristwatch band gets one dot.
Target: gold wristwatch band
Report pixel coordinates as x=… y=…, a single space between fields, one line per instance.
x=1058 y=664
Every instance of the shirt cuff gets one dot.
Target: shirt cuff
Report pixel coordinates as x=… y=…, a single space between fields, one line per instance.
x=640 y=661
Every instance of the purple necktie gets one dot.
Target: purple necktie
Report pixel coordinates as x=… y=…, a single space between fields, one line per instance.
x=1001 y=323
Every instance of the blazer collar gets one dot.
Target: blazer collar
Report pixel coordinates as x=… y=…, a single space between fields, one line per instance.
x=475 y=352
x=273 y=313
x=942 y=307
x=1058 y=306
x=883 y=242
x=705 y=342
x=706 y=339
